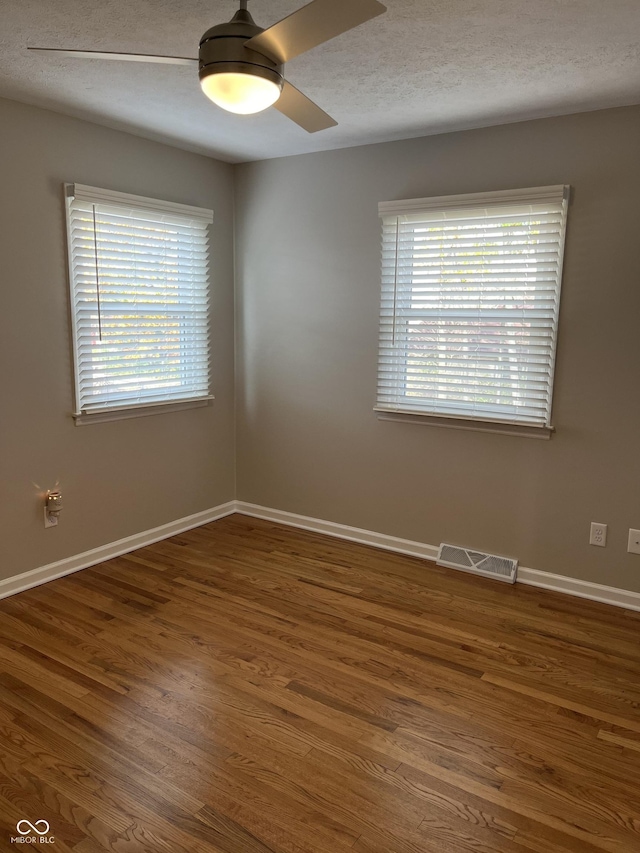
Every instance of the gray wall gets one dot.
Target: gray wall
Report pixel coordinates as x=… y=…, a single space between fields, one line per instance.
x=117 y=478
x=307 y=255
x=308 y=288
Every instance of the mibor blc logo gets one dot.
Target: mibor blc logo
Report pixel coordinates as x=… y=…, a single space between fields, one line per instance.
x=33 y=833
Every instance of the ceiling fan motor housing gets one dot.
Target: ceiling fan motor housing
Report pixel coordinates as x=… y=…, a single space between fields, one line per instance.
x=222 y=49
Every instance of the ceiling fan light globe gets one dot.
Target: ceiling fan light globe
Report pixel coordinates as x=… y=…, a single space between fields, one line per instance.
x=239 y=92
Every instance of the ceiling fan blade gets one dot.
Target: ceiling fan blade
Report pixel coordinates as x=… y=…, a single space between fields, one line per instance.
x=126 y=57
x=296 y=106
x=312 y=25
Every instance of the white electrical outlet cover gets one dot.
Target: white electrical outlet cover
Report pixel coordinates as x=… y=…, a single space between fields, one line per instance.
x=598 y=535
x=634 y=541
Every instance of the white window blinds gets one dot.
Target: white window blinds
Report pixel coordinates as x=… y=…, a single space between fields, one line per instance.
x=469 y=310
x=140 y=296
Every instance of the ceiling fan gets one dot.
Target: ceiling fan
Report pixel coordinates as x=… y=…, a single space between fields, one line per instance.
x=241 y=65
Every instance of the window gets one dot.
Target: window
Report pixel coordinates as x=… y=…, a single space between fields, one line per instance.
x=139 y=300
x=469 y=310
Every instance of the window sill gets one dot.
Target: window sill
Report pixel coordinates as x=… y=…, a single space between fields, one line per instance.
x=84 y=418
x=495 y=427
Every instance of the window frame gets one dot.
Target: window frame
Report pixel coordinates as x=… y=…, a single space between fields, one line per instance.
x=119 y=410
x=441 y=206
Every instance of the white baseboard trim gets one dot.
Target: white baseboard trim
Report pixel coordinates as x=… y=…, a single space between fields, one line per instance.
x=531 y=577
x=35 y=577
x=580 y=589
x=341 y=531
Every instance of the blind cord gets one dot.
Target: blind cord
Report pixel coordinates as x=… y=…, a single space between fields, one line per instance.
x=395 y=284
x=95 y=255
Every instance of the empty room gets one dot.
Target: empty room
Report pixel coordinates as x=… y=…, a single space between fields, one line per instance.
x=320 y=524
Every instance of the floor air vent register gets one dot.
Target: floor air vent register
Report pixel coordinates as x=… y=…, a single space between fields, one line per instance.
x=477 y=563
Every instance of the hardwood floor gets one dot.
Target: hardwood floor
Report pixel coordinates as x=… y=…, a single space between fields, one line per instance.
x=249 y=688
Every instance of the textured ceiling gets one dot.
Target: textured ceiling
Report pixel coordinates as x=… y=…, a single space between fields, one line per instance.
x=426 y=66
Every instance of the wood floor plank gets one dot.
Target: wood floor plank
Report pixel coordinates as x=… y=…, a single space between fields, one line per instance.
x=597 y=714
x=296 y=822
x=249 y=688
x=31 y=795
